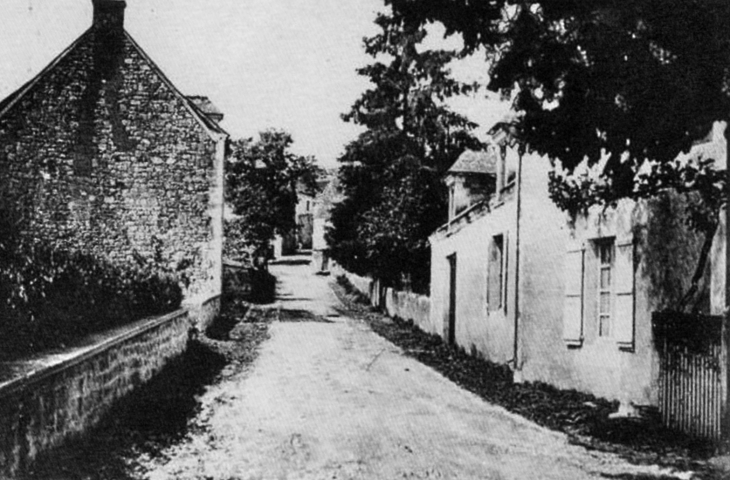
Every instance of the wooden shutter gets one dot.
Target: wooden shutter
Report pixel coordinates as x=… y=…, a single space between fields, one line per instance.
x=573 y=306
x=624 y=294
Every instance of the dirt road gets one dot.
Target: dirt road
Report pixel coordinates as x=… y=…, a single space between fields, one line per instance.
x=329 y=399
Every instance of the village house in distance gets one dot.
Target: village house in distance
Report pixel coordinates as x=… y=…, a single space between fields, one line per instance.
x=101 y=153
x=565 y=302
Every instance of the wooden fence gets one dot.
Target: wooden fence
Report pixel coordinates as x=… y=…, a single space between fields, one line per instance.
x=693 y=373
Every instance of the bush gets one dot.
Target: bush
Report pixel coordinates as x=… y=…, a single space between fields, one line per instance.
x=263 y=286
x=51 y=297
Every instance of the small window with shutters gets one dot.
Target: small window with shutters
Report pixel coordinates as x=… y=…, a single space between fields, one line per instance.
x=612 y=290
x=600 y=287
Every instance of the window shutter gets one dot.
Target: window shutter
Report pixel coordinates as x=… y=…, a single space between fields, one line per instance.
x=505 y=270
x=573 y=305
x=624 y=294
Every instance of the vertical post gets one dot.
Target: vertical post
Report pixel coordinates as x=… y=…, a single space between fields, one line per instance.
x=724 y=370
x=516 y=310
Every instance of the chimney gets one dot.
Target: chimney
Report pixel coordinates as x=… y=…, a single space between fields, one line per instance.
x=109 y=15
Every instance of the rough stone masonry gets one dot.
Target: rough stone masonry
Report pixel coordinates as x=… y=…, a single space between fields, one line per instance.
x=100 y=152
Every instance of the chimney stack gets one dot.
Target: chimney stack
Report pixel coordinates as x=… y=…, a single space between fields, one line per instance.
x=109 y=15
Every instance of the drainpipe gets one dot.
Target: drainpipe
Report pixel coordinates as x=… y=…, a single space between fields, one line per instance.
x=518 y=364
x=725 y=341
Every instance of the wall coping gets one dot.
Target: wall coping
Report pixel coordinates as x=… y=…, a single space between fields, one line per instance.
x=468 y=216
x=80 y=354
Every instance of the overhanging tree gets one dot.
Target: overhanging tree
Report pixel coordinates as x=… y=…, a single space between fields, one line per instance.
x=623 y=86
x=393 y=169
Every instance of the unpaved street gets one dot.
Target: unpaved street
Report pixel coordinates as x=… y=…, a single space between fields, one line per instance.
x=329 y=399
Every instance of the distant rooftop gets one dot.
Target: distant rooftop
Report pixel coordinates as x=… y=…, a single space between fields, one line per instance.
x=472 y=161
x=207 y=107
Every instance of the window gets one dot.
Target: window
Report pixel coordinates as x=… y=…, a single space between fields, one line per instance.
x=495 y=274
x=604 y=255
x=452 y=201
x=599 y=286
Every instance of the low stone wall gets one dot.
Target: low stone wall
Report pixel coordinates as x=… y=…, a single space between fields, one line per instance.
x=405 y=305
x=203 y=314
x=42 y=408
x=409 y=306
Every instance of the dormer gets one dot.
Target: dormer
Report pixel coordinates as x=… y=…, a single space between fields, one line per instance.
x=472 y=179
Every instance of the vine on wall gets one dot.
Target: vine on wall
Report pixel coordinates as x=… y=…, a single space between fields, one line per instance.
x=671 y=252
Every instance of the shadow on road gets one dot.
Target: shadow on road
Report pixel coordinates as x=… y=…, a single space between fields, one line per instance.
x=292 y=261
x=295 y=316
x=163 y=412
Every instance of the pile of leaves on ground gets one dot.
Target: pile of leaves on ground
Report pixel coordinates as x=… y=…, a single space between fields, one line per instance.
x=584 y=417
x=52 y=297
x=166 y=410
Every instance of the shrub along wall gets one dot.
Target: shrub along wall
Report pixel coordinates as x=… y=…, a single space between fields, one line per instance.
x=53 y=297
x=46 y=407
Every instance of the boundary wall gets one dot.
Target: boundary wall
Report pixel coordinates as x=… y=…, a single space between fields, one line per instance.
x=407 y=306
x=61 y=396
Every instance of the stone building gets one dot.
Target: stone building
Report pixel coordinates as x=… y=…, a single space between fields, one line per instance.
x=101 y=152
x=567 y=302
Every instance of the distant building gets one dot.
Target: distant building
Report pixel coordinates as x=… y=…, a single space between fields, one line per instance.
x=326 y=200
x=102 y=153
x=304 y=220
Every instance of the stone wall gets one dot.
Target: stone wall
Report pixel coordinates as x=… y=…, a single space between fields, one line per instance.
x=203 y=314
x=404 y=305
x=48 y=406
x=102 y=154
x=409 y=306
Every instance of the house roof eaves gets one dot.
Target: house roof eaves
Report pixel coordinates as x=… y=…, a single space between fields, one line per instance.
x=211 y=127
x=10 y=101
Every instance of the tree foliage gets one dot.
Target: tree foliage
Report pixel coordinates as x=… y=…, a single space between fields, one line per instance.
x=262 y=180
x=601 y=80
x=621 y=88
x=391 y=173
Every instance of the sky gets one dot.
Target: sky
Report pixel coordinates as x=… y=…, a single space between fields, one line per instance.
x=287 y=64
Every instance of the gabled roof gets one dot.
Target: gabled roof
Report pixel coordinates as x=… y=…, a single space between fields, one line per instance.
x=199 y=115
x=210 y=126
x=13 y=98
x=472 y=161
